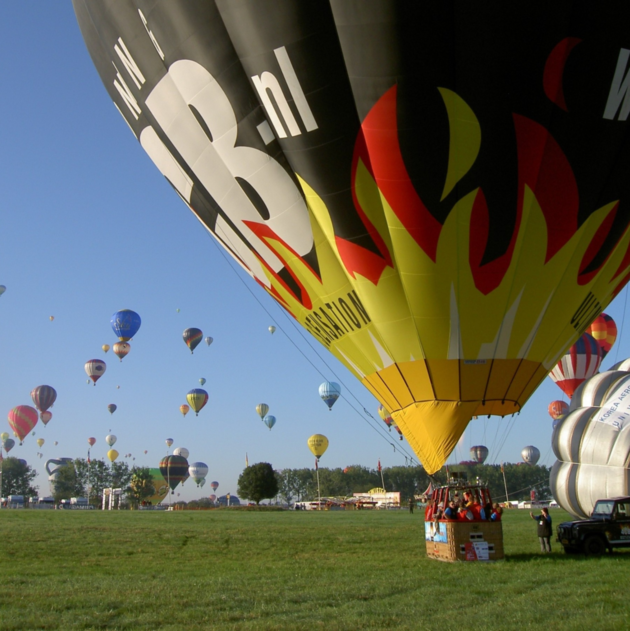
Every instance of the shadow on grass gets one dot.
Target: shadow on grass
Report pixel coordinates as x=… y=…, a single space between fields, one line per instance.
x=560 y=556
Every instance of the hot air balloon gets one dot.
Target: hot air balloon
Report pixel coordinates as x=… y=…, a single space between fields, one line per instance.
x=2 y=289
x=580 y=362
x=202 y=381
x=22 y=419
x=262 y=409
x=197 y=398
x=202 y=482
x=209 y=340
x=174 y=469
x=272 y=329
x=269 y=421
x=604 y=331
x=45 y=417
x=329 y=391
x=51 y=318
x=95 y=369
x=110 y=439
x=112 y=407
x=125 y=324
x=4 y=436
x=121 y=349
x=557 y=409
x=386 y=416
x=8 y=444
x=530 y=454
x=169 y=442
x=184 y=409
x=478 y=453
x=447 y=272
x=91 y=440
x=212 y=498
x=55 y=443
x=181 y=451
x=145 y=452
x=318 y=444
x=105 y=347
x=40 y=442
x=214 y=485
x=112 y=454
x=198 y=471
x=192 y=337
x=43 y=397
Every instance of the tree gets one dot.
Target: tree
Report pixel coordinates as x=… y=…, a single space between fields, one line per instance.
x=119 y=475
x=67 y=483
x=141 y=485
x=17 y=477
x=95 y=476
x=258 y=482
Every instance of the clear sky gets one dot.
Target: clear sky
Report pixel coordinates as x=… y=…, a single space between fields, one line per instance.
x=88 y=227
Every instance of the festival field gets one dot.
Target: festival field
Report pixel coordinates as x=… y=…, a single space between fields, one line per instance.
x=235 y=569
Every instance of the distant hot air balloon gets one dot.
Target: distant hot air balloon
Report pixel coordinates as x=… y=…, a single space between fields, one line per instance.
x=169 y=442
x=112 y=407
x=40 y=442
x=209 y=341
x=22 y=419
x=197 y=398
x=91 y=440
x=4 y=436
x=386 y=416
x=272 y=329
x=329 y=391
x=51 y=318
x=43 y=397
x=181 y=451
x=112 y=454
x=580 y=362
x=125 y=324
x=557 y=409
x=198 y=472
x=174 y=469
x=2 y=289
x=214 y=485
x=202 y=381
x=110 y=439
x=55 y=443
x=121 y=349
x=45 y=417
x=262 y=409
x=479 y=453
x=105 y=347
x=212 y=498
x=95 y=369
x=145 y=452
x=604 y=331
x=269 y=421
x=192 y=337
x=318 y=444
x=184 y=409
x=8 y=444
x=530 y=454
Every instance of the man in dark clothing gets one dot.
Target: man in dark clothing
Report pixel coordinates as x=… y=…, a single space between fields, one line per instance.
x=544 y=529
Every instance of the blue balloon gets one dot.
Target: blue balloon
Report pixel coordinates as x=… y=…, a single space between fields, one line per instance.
x=329 y=391
x=269 y=420
x=125 y=324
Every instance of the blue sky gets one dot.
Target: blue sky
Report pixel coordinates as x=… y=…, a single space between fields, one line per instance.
x=88 y=227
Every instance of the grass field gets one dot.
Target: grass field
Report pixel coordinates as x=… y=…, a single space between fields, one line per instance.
x=230 y=569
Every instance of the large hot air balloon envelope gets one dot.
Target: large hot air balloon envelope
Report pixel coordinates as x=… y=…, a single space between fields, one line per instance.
x=557 y=409
x=269 y=420
x=479 y=453
x=318 y=444
x=125 y=324
x=174 y=470
x=110 y=439
x=530 y=454
x=604 y=331
x=197 y=398
x=580 y=362
x=95 y=369
x=198 y=471
x=329 y=391
x=43 y=397
x=443 y=208
x=262 y=409
x=192 y=337
x=112 y=454
x=22 y=419
x=45 y=417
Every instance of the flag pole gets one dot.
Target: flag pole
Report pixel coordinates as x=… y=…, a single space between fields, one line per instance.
x=504 y=483
x=319 y=495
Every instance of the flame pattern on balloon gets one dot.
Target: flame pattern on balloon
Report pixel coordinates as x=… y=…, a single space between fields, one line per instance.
x=604 y=332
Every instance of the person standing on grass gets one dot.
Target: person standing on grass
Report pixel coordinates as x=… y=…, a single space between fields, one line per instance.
x=411 y=505
x=544 y=529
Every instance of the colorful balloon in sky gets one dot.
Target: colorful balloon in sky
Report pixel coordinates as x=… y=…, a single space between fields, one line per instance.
x=40 y=442
x=110 y=439
x=209 y=340
x=125 y=324
x=202 y=381
x=329 y=391
x=174 y=469
x=43 y=397
x=604 y=331
x=111 y=408
x=95 y=369
x=112 y=454
x=580 y=362
x=22 y=419
x=269 y=420
x=479 y=453
x=262 y=409
x=318 y=444
x=8 y=444
x=214 y=485
x=198 y=471
x=105 y=347
x=197 y=398
x=385 y=416
x=530 y=454
x=192 y=337
x=91 y=441
x=184 y=409
x=121 y=349
x=557 y=409
x=447 y=245
x=45 y=417
x=169 y=442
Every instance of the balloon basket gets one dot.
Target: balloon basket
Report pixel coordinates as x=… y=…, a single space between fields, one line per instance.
x=464 y=541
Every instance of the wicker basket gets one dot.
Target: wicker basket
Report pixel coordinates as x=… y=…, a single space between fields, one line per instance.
x=464 y=540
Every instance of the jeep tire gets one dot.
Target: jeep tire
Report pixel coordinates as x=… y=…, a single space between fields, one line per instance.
x=594 y=546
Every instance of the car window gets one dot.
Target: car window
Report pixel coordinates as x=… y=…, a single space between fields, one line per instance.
x=603 y=508
x=622 y=510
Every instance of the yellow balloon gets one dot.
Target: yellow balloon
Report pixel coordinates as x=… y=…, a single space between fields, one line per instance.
x=4 y=436
x=105 y=347
x=40 y=442
x=52 y=318
x=112 y=454
x=318 y=444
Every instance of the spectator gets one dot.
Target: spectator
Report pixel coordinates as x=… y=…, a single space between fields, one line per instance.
x=544 y=529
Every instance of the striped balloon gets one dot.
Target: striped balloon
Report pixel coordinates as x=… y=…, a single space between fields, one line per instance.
x=197 y=398
x=557 y=409
x=43 y=397
x=22 y=419
x=174 y=469
x=581 y=362
x=604 y=330
x=192 y=337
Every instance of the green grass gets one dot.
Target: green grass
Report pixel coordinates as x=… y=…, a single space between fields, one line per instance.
x=288 y=570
